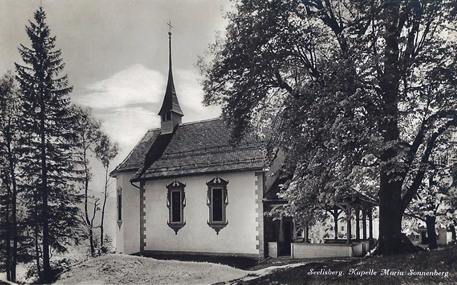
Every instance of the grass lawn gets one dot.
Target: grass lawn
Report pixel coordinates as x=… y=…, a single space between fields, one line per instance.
x=440 y=265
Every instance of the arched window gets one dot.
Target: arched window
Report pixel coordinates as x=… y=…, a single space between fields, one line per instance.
x=176 y=201
x=217 y=201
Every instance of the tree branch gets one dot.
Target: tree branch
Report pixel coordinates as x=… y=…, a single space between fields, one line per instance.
x=425 y=126
x=412 y=215
x=412 y=190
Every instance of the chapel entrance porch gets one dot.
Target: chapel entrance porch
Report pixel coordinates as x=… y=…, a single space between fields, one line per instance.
x=348 y=231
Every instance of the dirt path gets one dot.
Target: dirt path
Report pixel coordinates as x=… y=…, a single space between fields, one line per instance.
x=125 y=269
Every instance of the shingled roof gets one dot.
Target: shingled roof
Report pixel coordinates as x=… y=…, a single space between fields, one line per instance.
x=135 y=158
x=194 y=148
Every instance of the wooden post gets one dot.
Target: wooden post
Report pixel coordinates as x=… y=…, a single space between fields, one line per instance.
x=370 y=218
x=306 y=234
x=364 y=222
x=348 y=218
x=357 y=224
x=335 y=218
x=281 y=230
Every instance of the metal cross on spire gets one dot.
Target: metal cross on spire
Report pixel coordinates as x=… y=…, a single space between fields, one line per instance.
x=169 y=27
x=169 y=44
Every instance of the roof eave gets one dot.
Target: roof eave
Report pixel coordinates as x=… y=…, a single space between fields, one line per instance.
x=115 y=172
x=140 y=179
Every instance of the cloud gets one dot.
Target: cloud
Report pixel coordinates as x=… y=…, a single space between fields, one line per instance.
x=127 y=103
x=135 y=85
x=128 y=125
x=190 y=96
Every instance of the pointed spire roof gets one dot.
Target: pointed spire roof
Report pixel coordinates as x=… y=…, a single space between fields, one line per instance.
x=170 y=100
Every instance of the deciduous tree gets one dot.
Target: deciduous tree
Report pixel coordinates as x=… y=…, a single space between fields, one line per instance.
x=105 y=152
x=93 y=142
x=88 y=134
x=435 y=201
x=349 y=86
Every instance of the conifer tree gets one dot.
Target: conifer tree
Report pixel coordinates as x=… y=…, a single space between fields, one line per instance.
x=8 y=187
x=15 y=243
x=47 y=155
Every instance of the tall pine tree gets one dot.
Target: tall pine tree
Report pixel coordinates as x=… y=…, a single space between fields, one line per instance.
x=48 y=146
x=15 y=242
x=8 y=185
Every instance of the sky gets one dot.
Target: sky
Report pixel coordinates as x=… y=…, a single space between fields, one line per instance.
x=116 y=55
x=116 y=58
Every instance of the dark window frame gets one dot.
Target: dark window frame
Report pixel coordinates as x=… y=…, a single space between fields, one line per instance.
x=176 y=187
x=119 y=206
x=218 y=184
x=217 y=215
x=176 y=216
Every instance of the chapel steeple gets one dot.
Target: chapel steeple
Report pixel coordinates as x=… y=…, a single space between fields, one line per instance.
x=170 y=113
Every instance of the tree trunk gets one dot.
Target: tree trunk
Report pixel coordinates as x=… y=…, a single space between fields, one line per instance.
x=390 y=201
x=91 y=241
x=13 y=207
x=88 y=222
x=46 y=255
x=86 y=200
x=8 y=230
x=105 y=194
x=390 y=217
x=37 y=249
x=44 y=189
x=430 y=221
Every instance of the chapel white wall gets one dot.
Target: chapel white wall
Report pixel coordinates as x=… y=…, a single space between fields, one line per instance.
x=128 y=234
x=240 y=236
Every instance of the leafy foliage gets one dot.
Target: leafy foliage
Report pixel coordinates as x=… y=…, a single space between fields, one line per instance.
x=93 y=141
x=105 y=152
x=436 y=198
x=352 y=90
